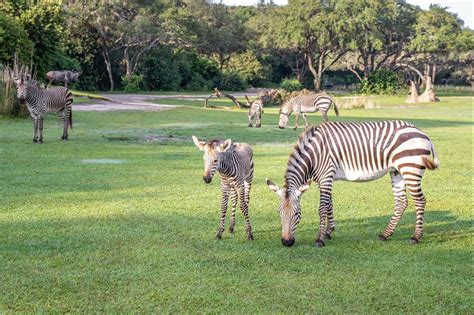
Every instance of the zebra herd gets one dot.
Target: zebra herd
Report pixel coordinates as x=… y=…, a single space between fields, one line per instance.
x=323 y=154
x=355 y=152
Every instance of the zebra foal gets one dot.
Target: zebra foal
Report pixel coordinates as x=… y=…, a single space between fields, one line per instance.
x=235 y=165
x=306 y=103
x=41 y=101
x=355 y=152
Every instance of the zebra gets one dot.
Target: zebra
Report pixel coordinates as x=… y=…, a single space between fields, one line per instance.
x=40 y=101
x=355 y=152
x=235 y=165
x=255 y=112
x=306 y=103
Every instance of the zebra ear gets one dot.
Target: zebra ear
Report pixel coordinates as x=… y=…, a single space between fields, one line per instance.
x=199 y=144
x=272 y=186
x=224 y=146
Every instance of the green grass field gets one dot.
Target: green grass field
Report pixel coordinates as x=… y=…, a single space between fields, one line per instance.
x=118 y=219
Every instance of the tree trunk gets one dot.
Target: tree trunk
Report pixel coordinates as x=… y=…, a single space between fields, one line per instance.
x=128 y=64
x=316 y=75
x=428 y=95
x=413 y=97
x=433 y=75
x=108 y=65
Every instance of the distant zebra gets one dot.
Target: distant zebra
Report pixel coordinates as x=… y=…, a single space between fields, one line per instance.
x=255 y=112
x=306 y=103
x=355 y=152
x=40 y=101
x=235 y=165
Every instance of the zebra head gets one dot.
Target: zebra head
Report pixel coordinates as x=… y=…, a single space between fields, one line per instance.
x=21 y=88
x=285 y=112
x=289 y=209
x=213 y=151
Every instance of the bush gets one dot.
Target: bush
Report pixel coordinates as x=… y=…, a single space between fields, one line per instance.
x=132 y=83
x=232 y=81
x=382 y=82
x=291 y=85
x=248 y=66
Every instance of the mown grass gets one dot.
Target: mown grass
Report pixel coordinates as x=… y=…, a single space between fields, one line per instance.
x=118 y=219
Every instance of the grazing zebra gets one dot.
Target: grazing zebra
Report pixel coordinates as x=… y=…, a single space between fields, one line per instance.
x=306 y=103
x=355 y=152
x=255 y=112
x=235 y=165
x=40 y=101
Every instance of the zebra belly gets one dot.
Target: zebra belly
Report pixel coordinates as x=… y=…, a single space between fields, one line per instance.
x=359 y=176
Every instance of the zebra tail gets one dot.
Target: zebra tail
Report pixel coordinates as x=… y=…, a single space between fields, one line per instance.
x=336 y=109
x=431 y=164
x=70 y=119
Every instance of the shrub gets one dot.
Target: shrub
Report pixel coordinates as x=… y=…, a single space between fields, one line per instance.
x=383 y=82
x=248 y=66
x=291 y=85
x=232 y=81
x=132 y=83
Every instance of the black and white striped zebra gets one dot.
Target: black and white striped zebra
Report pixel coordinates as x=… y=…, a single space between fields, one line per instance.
x=355 y=152
x=255 y=113
x=234 y=161
x=40 y=101
x=306 y=103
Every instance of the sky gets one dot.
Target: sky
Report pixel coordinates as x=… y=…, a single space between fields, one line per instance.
x=463 y=8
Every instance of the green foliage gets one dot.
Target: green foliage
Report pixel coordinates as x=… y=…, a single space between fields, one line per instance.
x=383 y=82
x=248 y=66
x=291 y=85
x=132 y=83
x=13 y=39
x=232 y=81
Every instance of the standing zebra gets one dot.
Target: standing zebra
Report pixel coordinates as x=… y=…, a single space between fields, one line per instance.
x=355 y=152
x=40 y=101
x=255 y=112
x=235 y=165
x=306 y=103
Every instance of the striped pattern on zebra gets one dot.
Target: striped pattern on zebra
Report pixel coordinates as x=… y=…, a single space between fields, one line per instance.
x=40 y=101
x=234 y=161
x=355 y=152
x=306 y=103
x=255 y=112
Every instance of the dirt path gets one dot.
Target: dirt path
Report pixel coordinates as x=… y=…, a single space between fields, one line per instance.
x=122 y=102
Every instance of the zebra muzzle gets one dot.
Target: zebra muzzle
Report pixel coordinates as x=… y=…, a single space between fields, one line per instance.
x=207 y=179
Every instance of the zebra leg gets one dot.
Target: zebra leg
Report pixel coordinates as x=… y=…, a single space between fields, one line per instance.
x=330 y=222
x=401 y=203
x=244 y=193
x=35 y=128
x=324 y=113
x=225 y=199
x=64 y=118
x=250 y=120
x=305 y=121
x=297 y=118
x=324 y=206
x=414 y=187
x=233 y=198
x=259 y=120
x=40 y=127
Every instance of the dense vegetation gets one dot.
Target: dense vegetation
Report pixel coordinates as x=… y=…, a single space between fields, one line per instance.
x=198 y=45
x=118 y=220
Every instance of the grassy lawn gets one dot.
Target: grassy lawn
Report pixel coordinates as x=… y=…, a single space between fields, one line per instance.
x=118 y=219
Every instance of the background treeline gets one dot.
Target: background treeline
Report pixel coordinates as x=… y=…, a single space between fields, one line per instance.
x=198 y=44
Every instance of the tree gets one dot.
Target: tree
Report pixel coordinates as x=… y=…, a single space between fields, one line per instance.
x=318 y=30
x=13 y=40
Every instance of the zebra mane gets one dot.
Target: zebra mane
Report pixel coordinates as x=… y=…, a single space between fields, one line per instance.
x=303 y=139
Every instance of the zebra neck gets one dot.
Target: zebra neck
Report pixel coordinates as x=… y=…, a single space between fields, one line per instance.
x=226 y=162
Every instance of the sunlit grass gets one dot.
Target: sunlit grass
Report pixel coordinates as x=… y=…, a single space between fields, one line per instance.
x=81 y=232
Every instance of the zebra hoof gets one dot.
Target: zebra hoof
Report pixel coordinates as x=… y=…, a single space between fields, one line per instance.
x=40 y=141
x=414 y=241
x=258 y=126
x=250 y=126
x=381 y=238
x=250 y=237
x=319 y=243
x=218 y=236
x=231 y=229
x=35 y=141
x=328 y=236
